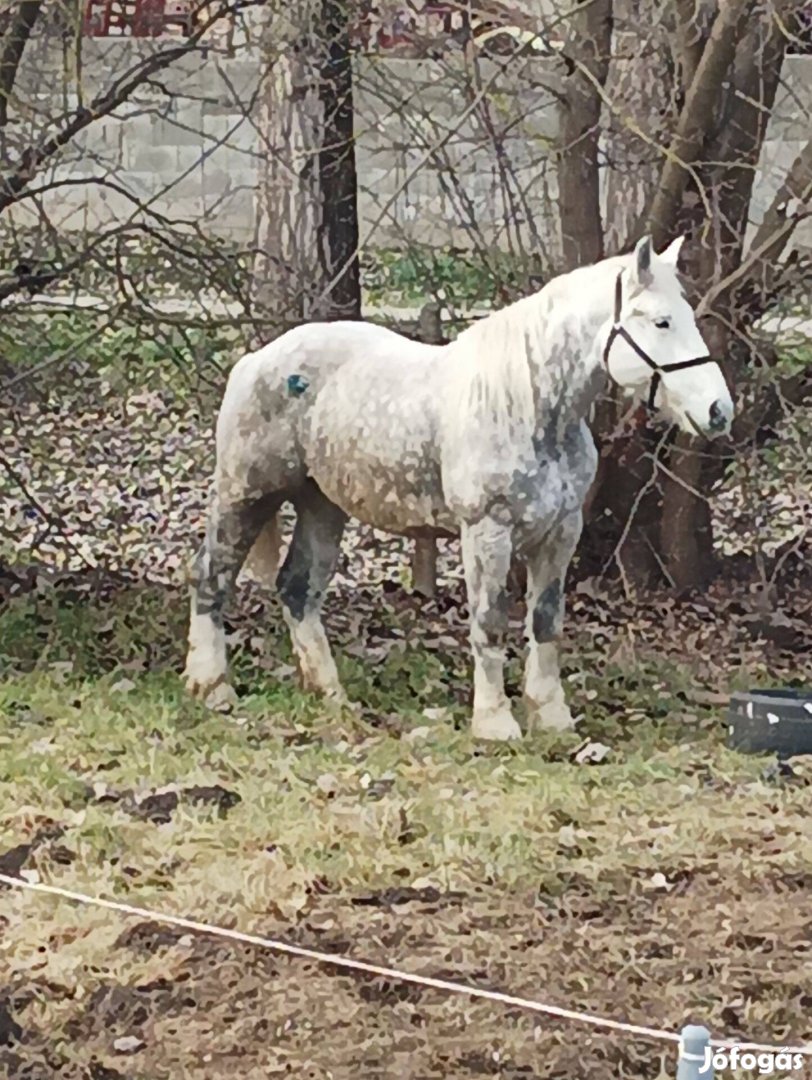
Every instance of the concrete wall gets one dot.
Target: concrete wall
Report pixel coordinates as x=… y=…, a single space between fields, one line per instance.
x=432 y=168
x=789 y=130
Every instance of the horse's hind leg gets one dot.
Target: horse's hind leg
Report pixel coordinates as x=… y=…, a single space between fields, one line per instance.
x=230 y=533
x=302 y=583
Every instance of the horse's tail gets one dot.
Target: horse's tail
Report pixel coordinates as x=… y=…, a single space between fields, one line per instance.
x=262 y=561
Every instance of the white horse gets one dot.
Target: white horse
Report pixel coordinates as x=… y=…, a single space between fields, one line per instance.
x=484 y=438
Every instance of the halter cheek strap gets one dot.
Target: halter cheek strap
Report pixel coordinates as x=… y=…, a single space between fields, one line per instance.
x=619 y=331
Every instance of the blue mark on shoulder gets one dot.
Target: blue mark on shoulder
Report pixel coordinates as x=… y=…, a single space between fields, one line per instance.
x=297 y=384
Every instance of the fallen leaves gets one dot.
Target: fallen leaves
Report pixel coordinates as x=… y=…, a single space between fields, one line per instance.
x=659 y=882
x=438 y=715
x=128 y=1044
x=417 y=734
x=327 y=784
x=710 y=697
x=591 y=753
x=159 y=806
x=122 y=686
x=127 y=481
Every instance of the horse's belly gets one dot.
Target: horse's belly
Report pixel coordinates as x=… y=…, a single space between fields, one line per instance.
x=384 y=498
x=379 y=464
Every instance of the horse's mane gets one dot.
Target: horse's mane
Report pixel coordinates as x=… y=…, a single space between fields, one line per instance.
x=492 y=382
x=493 y=375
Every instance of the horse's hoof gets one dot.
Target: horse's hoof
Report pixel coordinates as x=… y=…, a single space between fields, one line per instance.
x=498 y=726
x=222 y=698
x=338 y=700
x=551 y=718
x=218 y=695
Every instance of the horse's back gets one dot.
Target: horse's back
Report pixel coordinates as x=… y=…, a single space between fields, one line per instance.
x=329 y=345
x=275 y=392
x=304 y=358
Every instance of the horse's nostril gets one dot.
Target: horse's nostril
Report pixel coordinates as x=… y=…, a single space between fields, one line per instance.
x=718 y=418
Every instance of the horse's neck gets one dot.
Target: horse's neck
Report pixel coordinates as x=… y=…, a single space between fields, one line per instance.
x=532 y=368
x=567 y=368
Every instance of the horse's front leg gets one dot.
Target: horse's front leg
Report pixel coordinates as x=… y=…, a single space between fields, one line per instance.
x=546 y=569
x=486 y=551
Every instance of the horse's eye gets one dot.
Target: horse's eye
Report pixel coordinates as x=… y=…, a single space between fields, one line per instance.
x=662 y=324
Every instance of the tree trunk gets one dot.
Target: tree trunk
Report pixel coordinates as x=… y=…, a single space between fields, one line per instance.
x=686 y=535
x=704 y=188
x=625 y=504
x=14 y=40
x=622 y=514
x=697 y=117
x=306 y=265
x=641 y=91
x=589 y=34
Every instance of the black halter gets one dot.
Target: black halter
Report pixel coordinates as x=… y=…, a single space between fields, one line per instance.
x=619 y=331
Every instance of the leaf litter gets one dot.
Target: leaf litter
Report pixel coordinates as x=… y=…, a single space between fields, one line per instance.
x=642 y=923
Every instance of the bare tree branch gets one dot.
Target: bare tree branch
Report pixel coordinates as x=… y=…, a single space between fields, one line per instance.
x=775 y=231
x=697 y=116
x=34 y=157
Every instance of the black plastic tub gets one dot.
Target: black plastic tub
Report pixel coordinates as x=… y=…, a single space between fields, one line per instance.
x=777 y=721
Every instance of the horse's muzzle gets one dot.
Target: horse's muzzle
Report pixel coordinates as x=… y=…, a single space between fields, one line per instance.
x=721 y=417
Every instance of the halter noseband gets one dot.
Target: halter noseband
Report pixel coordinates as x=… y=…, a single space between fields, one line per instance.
x=619 y=331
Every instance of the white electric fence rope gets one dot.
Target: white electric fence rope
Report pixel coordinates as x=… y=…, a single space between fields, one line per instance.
x=375 y=969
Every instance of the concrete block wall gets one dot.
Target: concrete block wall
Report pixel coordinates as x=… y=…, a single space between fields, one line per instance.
x=432 y=169
x=788 y=132
x=192 y=153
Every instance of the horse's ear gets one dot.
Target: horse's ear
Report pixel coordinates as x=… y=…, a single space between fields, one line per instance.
x=642 y=261
x=671 y=253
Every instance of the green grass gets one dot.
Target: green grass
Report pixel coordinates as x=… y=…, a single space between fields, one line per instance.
x=337 y=809
x=124 y=354
x=90 y=697
x=462 y=278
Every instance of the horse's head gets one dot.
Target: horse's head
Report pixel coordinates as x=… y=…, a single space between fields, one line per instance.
x=654 y=346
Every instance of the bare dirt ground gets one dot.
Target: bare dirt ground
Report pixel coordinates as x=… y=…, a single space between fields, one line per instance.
x=738 y=948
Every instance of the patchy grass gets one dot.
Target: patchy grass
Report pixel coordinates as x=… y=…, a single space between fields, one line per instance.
x=463 y=279
x=119 y=355
x=669 y=881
